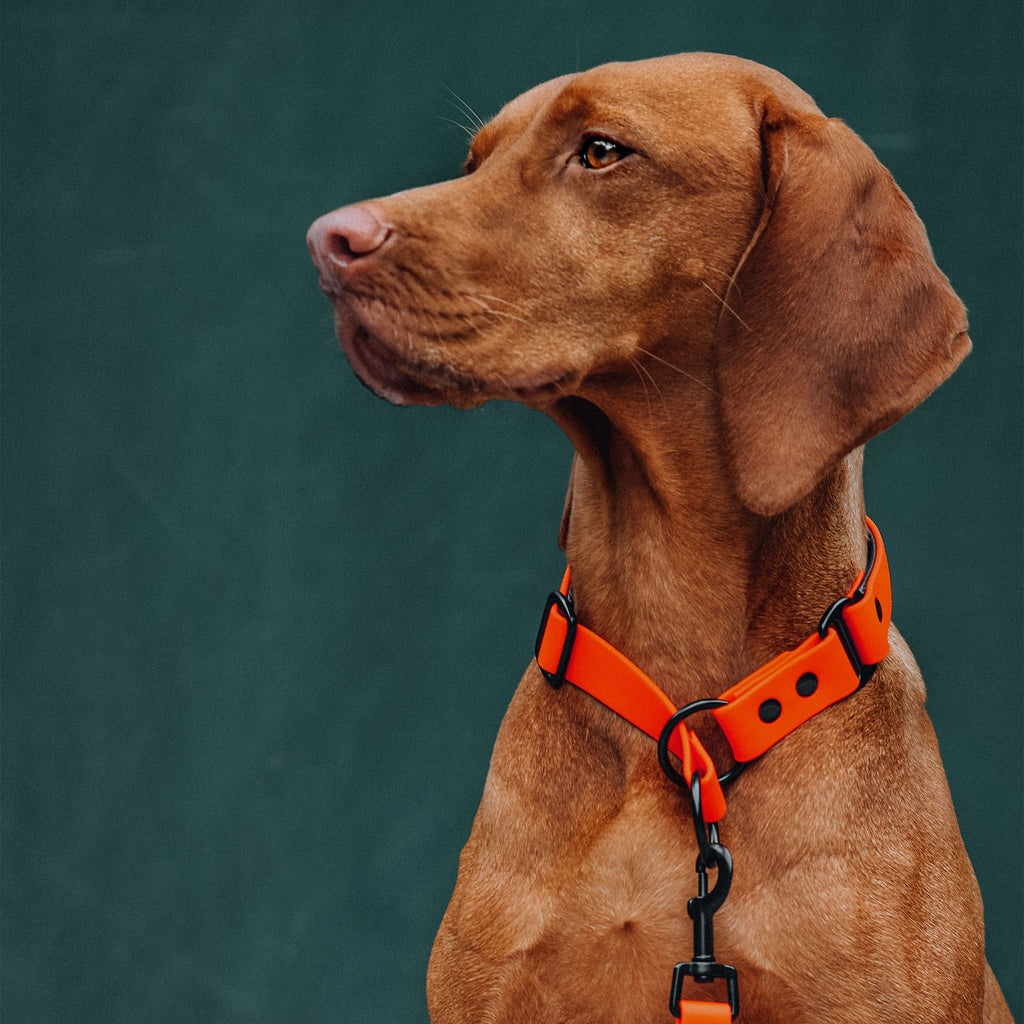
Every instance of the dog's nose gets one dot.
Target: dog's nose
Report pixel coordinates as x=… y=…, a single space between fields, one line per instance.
x=343 y=236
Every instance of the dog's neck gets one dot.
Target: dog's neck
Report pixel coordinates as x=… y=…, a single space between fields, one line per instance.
x=671 y=568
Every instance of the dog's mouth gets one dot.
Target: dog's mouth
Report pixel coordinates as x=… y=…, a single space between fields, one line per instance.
x=390 y=375
x=376 y=365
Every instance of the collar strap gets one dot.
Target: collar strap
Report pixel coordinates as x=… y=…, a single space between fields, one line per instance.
x=837 y=659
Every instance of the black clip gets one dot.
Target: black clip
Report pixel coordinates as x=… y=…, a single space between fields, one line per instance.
x=703 y=968
x=564 y=604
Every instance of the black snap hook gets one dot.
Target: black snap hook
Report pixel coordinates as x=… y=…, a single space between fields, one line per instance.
x=704 y=968
x=707 y=903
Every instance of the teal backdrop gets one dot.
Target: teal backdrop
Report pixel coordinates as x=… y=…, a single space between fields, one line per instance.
x=259 y=628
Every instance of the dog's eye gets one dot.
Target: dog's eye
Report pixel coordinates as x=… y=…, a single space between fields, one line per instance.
x=470 y=165
x=598 y=153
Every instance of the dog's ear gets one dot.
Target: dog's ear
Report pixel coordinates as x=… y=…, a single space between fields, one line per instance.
x=838 y=321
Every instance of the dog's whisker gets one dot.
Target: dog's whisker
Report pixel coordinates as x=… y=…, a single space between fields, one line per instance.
x=729 y=277
x=496 y=312
x=641 y=375
x=644 y=375
x=505 y=302
x=468 y=129
x=727 y=274
x=475 y=119
x=508 y=316
x=678 y=369
x=726 y=306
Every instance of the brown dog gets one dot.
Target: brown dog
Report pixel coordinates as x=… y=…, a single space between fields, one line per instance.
x=719 y=295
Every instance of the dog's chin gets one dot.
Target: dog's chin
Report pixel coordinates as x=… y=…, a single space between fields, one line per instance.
x=378 y=370
x=381 y=370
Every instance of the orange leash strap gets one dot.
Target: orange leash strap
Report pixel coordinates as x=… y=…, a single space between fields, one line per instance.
x=691 y=1012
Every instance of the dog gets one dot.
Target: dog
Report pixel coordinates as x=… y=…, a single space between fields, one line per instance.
x=720 y=295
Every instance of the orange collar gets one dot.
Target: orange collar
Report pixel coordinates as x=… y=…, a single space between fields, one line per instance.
x=758 y=711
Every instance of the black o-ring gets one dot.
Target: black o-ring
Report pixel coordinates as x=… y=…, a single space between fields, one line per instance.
x=670 y=727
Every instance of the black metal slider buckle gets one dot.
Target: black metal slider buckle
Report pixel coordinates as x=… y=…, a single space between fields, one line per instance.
x=833 y=619
x=564 y=604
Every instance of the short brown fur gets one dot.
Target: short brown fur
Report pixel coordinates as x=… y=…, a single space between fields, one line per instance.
x=718 y=321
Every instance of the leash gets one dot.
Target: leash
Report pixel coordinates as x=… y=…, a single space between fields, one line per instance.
x=852 y=638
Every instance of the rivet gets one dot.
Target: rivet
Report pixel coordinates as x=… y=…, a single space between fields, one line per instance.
x=769 y=710
x=807 y=684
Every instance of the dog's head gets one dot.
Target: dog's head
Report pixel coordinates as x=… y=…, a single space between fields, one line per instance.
x=696 y=213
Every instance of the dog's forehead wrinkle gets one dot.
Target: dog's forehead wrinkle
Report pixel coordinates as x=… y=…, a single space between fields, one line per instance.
x=684 y=121
x=695 y=87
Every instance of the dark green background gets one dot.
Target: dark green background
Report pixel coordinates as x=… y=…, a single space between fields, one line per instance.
x=258 y=627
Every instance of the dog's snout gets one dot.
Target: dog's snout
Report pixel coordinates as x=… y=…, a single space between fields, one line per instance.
x=343 y=236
